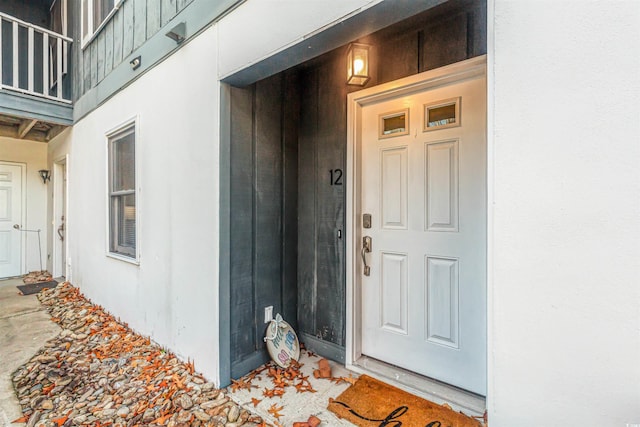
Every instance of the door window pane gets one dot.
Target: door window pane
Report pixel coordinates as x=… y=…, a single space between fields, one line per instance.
x=442 y=114
x=395 y=123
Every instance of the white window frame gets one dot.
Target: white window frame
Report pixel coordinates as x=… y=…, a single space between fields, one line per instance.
x=109 y=136
x=91 y=31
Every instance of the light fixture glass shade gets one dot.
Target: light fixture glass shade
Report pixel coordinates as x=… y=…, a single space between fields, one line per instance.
x=358 y=64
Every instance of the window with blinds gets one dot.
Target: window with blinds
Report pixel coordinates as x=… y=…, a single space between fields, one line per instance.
x=122 y=192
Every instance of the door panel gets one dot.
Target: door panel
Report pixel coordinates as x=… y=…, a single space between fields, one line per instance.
x=394 y=188
x=10 y=214
x=424 y=303
x=442 y=301
x=442 y=186
x=394 y=292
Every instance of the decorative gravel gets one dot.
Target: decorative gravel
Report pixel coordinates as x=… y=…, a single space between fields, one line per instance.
x=98 y=372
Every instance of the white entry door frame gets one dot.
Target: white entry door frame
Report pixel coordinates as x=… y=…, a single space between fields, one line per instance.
x=461 y=71
x=60 y=216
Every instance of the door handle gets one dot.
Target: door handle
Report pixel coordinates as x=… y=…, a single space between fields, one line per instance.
x=60 y=231
x=366 y=248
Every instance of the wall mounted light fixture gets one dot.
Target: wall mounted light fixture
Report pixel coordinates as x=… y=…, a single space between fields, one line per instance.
x=177 y=33
x=358 y=64
x=136 y=62
x=45 y=175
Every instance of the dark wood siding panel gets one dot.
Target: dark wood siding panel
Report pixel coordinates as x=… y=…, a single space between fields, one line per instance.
x=445 y=42
x=290 y=122
x=322 y=142
x=93 y=48
x=140 y=22
x=168 y=10
x=118 y=32
x=264 y=170
x=331 y=143
x=153 y=17
x=400 y=58
x=108 y=48
x=268 y=201
x=86 y=69
x=241 y=233
x=478 y=30
x=100 y=42
x=307 y=202
x=128 y=25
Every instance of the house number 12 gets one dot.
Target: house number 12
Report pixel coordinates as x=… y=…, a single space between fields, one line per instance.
x=336 y=176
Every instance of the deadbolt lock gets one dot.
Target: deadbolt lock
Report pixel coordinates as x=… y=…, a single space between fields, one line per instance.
x=366 y=221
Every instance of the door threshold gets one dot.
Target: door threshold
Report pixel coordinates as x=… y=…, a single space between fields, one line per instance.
x=435 y=391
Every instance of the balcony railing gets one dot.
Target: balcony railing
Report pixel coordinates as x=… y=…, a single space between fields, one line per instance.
x=33 y=60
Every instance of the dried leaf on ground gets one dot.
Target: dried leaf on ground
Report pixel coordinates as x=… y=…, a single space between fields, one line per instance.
x=275 y=411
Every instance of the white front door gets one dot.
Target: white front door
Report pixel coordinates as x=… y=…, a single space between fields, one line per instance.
x=423 y=181
x=10 y=214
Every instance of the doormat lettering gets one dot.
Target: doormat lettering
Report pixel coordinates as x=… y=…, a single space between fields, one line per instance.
x=372 y=403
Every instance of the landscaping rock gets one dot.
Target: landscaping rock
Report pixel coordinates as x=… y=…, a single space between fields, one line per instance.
x=99 y=372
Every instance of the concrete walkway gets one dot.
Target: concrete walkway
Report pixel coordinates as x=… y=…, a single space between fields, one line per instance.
x=24 y=328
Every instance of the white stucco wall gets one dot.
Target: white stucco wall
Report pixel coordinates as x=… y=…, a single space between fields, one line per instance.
x=172 y=294
x=34 y=155
x=564 y=327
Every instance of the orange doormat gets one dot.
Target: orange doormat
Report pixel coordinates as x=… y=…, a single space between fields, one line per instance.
x=371 y=403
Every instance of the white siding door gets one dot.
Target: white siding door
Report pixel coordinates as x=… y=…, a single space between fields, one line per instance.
x=10 y=214
x=424 y=302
